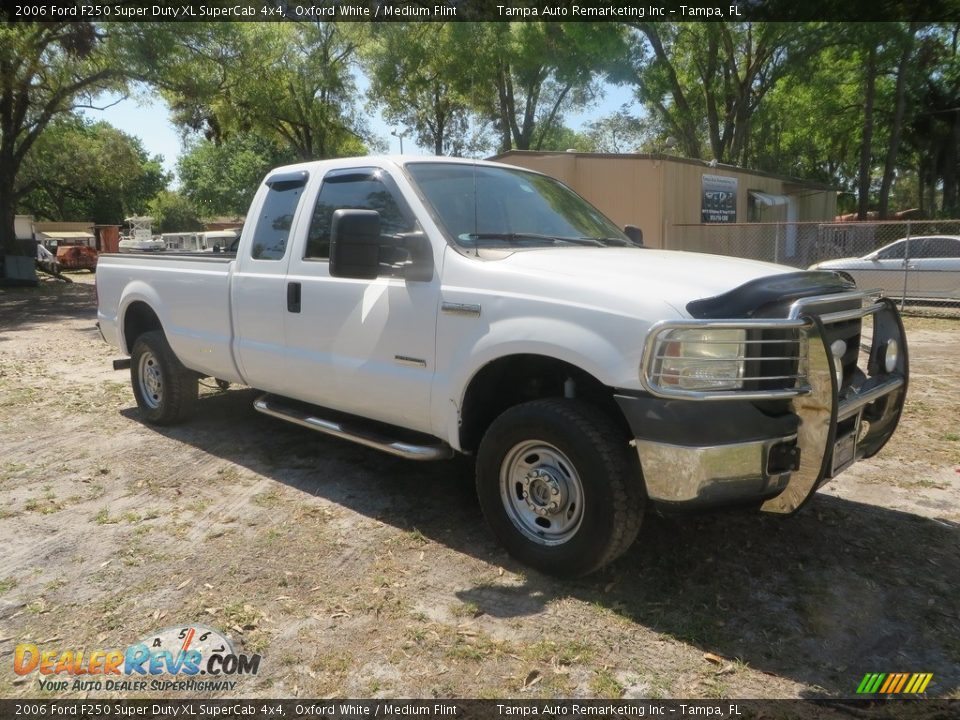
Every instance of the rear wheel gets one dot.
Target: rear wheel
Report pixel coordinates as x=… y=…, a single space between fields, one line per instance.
x=166 y=391
x=559 y=486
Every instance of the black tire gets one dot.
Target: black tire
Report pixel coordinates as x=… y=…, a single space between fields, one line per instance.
x=166 y=392
x=566 y=445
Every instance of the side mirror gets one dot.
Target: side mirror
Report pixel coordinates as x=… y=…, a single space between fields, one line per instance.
x=355 y=244
x=634 y=233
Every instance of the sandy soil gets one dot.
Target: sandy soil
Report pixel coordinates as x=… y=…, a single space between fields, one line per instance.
x=356 y=574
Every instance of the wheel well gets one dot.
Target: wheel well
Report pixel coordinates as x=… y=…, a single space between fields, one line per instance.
x=515 y=379
x=138 y=319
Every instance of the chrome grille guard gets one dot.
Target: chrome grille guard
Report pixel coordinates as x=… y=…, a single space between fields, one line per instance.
x=874 y=405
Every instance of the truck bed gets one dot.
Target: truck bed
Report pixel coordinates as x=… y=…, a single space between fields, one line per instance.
x=189 y=292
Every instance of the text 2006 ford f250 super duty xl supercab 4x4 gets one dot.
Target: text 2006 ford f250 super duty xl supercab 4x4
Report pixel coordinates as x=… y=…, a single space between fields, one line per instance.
x=426 y=306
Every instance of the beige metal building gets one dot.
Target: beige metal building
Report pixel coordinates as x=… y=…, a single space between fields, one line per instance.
x=687 y=204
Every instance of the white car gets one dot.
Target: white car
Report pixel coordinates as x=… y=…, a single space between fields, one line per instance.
x=921 y=267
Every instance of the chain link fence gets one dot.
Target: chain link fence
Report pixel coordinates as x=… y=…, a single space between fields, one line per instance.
x=916 y=262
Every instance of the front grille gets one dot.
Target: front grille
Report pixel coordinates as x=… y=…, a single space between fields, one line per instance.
x=776 y=360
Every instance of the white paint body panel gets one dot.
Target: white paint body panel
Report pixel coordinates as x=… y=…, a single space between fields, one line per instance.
x=589 y=306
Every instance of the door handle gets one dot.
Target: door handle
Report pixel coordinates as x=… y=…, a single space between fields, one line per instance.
x=293 y=297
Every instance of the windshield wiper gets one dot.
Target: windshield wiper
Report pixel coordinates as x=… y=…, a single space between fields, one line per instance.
x=519 y=238
x=611 y=241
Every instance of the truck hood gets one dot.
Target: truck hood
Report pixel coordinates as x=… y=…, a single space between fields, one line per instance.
x=670 y=276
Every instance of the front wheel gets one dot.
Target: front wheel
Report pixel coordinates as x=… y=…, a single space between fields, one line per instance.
x=166 y=391
x=559 y=486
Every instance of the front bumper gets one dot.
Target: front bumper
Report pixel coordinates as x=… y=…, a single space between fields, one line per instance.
x=773 y=447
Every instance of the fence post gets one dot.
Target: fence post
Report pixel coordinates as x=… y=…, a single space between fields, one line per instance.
x=776 y=245
x=906 y=268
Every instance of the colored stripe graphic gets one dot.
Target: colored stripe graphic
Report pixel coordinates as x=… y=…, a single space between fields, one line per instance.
x=894 y=683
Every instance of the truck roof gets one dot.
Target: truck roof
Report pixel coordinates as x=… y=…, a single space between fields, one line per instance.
x=395 y=160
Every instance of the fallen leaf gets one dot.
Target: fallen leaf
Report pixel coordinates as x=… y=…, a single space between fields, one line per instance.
x=282 y=597
x=532 y=679
x=711 y=657
x=609 y=586
x=186 y=582
x=106 y=562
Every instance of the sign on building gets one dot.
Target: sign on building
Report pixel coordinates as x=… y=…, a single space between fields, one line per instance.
x=718 y=202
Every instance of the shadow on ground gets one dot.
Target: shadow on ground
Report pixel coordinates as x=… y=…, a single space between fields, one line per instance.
x=50 y=301
x=842 y=589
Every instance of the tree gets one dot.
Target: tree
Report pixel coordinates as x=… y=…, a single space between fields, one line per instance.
x=525 y=75
x=84 y=170
x=706 y=81
x=222 y=179
x=289 y=83
x=172 y=212
x=415 y=72
x=47 y=70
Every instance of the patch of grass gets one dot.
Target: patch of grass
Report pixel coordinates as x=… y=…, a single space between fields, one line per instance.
x=270 y=498
x=241 y=614
x=7 y=584
x=477 y=647
x=333 y=663
x=603 y=684
x=104 y=518
x=466 y=610
x=952 y=437
x=559 y=653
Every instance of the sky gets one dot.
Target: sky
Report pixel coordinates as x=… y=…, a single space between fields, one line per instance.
x=148 y=118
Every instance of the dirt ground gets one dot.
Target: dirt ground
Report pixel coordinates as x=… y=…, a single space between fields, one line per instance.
x=355 y=574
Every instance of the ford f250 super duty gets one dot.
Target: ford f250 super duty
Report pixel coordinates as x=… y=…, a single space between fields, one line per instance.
x=427 y=306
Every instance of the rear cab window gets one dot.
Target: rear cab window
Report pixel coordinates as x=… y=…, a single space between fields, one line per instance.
x=271 y=234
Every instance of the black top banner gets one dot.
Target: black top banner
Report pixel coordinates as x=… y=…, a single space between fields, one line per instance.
x=486 y=10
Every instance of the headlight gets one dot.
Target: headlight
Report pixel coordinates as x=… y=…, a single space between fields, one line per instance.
x=700 y=359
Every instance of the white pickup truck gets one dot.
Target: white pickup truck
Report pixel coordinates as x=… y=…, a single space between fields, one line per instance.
x=427 y=306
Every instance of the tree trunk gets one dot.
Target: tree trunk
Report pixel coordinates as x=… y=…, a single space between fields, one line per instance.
x=863 y=199
x=951 y=197
x=896 y=130
x=8 y=211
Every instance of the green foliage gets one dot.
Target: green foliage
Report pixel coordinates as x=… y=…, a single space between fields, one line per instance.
x=81 y=170
x=525 y=76
x=288 y=83
x=222 y=179
x=172 y=212
x=46 y=71
x=416 y=73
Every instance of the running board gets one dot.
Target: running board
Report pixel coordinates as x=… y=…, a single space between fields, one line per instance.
x=302 y=414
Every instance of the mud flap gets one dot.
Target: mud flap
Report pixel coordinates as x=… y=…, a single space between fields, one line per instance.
x=817 y=429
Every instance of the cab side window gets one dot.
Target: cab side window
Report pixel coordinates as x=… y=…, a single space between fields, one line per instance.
x=272 y=231
x=360 y=189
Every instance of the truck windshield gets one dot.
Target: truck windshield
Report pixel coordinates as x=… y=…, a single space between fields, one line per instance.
x=483 y=206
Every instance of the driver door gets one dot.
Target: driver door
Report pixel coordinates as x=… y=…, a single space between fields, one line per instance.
x=365 y=347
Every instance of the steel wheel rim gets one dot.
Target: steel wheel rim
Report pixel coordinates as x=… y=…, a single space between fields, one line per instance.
x=541 y=492
x=150 y=380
